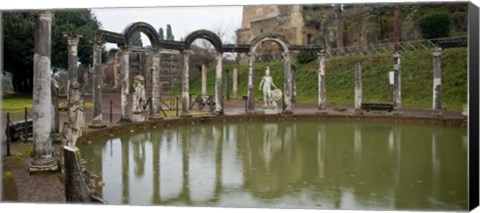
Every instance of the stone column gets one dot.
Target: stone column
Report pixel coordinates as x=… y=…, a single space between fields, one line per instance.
x=156 y=85
x=218 y=85
x=185 y=84
x=437 y=81
x=397 y=91
x=42 y=102
x=321 y=82
x=294 y=83
x=358 y=87
x=251 y=87
x=204 y=79
x=235 y=82
x=97 y=86
x=287 y=84
x=72 y=40
x=125 y=83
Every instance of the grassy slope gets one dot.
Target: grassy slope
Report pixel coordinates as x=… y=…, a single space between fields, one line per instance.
x=416 y=77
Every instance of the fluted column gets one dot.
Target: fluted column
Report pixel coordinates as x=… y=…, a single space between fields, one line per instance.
x=185 y=83
x=97 y=86
x=397 y=90
x=287 y=84
x=321 y=82
x=251 y=88
x=218 y=85
x=156 y=85
x=358 y=87
x=42 y=102
x=437 y=82
x=125 y=83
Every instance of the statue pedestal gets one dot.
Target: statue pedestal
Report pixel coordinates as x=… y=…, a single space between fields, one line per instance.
x=139 y=116
x=270 y=110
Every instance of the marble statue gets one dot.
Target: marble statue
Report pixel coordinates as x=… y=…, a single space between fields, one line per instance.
x=76 y=118
x=139 y=99
x=266 y=86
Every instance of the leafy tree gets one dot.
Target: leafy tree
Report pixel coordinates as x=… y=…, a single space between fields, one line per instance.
x=160 y=33
x=435 y=25
x=19 y=42
x=136 y=39
x=170 y=36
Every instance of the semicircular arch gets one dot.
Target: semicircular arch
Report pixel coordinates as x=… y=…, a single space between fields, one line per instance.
x=279 y=39
x=145 y=28
x=205 y=34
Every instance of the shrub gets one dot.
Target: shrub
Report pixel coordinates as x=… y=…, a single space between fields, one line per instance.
x=306 y=57
x=435 y=25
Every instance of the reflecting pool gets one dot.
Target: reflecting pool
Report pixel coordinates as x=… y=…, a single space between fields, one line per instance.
x=301 y=164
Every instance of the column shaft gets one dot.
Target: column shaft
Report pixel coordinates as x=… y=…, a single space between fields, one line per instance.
x=397 y=91
x=218 y=85
x=235 y=82
x=156 y=85
x=358 y=87
x=437 y=81
x=97 y=86
x=251 y=88
x=204 y=79
x=287 y=84
x=185 y=84
x=321 y=81
x=125 y=83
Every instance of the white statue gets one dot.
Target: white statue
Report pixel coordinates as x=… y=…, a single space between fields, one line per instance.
x=76 y=118
x=139 y=99
x=267 y=83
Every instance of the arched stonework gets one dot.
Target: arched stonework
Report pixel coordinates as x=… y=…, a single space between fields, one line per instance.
x=143 y=27
x=270 y=37
x=205 y=34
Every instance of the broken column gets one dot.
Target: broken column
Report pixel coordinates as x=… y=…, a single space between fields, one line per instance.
x=97 y=86
x=42 y=103
x=125 y=80
x=251 y=89
x=358 y=87
x=235 y=81
x=397 y=95
x=437 y=81
x=218 y=85
x=185 y=84
x=156 y=85
x=204 y=79
x=287 y=84
x=321 y=81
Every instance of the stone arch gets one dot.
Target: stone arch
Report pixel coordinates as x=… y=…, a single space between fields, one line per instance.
x=205 y=34
x=143 y=27
x=279 y=39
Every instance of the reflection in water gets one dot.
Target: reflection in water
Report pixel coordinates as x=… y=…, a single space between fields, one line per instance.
x=286 y=165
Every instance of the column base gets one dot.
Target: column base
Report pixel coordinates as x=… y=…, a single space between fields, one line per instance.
x=97 y=124
x=397 y=113
x=185 y=115
x=358 y=112
x=218 y=113
x=43 y=165
x=155 y=117
x=287 y=112
x=124 y=120
x=322 y=112
x=254 y=112
x=437 y=113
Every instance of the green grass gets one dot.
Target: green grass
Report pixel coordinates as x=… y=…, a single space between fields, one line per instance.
x=416 y=79
x=15 y=103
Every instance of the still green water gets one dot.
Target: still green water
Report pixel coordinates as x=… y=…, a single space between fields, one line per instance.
x=333 y=165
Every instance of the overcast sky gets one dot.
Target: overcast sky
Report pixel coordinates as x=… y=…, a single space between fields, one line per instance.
x=183 y=20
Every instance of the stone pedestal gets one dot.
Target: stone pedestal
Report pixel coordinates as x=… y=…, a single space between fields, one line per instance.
x=139 y=116
x=42 y=103
x=270 y=110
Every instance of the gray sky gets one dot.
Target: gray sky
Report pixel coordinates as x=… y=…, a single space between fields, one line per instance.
x=183 y=20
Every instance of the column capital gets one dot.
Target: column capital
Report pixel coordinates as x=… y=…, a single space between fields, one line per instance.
x=123 y=47
x=251 y=55
x=321 y=53
x=286 y=56
x=437 y=51
x=72 y=38
x=43 y=14
x=396 y=54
